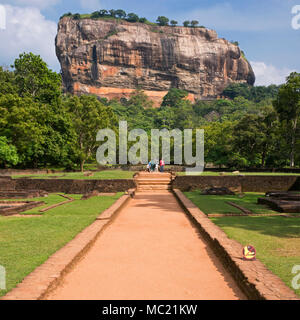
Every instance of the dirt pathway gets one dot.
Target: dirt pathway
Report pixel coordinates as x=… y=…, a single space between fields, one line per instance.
x=151 y=251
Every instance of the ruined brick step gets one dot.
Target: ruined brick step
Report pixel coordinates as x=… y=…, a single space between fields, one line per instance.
x=149 y=181
x=154 y=175
x=153 y=182
x=282 y=206
x=159 y=187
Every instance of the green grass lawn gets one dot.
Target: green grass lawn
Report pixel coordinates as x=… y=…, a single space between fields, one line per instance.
x=276 y=239
x=217 y=204
x=25 y=243
x=106 y=174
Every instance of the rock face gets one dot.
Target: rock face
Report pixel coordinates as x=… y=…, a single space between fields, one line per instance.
x=113 y=58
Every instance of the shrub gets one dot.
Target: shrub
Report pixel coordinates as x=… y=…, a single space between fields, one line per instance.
x=132 y=17
x=162 y=21
x=76 y=16
x=112 y=12
x=120 y=14
x=194 y=23
x=69 y=14
x=103 y=13
x=95 y=15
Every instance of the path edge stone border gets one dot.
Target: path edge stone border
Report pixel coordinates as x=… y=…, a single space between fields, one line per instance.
x=45 y=278
x=253 y=278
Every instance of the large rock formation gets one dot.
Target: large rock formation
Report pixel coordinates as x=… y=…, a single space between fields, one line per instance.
x=112 y=58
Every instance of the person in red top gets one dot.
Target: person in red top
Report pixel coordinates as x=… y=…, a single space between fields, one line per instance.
x=162 y=165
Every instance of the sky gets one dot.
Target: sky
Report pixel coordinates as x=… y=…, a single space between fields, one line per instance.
x=263 y=28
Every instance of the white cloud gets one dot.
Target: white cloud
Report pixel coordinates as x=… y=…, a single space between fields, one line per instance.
x=267 y=74
x=90 y=4
x=27 y=30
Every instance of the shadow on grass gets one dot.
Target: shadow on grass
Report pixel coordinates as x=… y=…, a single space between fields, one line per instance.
x=272 y=226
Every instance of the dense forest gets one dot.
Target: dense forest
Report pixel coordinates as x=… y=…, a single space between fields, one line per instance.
x=249 y=127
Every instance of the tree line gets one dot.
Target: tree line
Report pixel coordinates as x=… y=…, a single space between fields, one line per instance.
x=249 y=127
x=131 y=17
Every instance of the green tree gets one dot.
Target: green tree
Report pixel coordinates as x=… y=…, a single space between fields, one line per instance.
x=186 y=23
x=257 y=93
x=142 y=20
x=174 y=23
x=112 y=12
x=165 y=118
x=88 y=117
x=236 y=90
x=7 y=82
x=194 y=23
x=174 y=97
x=288 y=107
x=162 y=21
x=120 y=14
x=95 y=15
x=132 y=17
x=255 y=136
x=34 y=79
x=76 y=16
x=218 y=144
x=69 y=14
x=183 y=109
x=8 y=153
x=103 y=12
x=43 y=134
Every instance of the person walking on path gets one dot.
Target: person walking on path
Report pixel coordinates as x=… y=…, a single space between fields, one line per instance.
x=162 y=165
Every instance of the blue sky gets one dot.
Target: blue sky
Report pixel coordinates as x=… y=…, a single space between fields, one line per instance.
x=262 y=27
